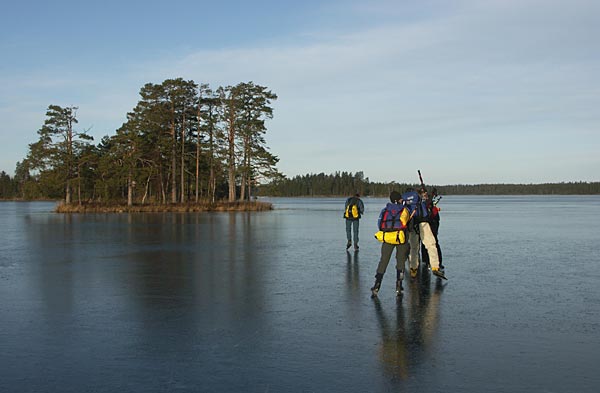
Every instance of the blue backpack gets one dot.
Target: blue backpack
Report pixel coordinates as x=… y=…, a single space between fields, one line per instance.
x=411 y=200
x=389 y=218
x=415 y=204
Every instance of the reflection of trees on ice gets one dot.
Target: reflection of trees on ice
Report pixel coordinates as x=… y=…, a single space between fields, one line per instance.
x=407 y=339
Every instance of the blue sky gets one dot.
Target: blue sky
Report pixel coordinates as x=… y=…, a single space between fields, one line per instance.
x=467 y=91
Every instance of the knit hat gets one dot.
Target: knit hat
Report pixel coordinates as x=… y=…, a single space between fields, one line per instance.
x=395 y=196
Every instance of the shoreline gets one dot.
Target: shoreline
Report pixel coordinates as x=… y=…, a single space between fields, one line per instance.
x=237 y=206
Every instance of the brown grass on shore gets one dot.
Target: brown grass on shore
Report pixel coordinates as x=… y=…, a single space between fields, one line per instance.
x=95 y=207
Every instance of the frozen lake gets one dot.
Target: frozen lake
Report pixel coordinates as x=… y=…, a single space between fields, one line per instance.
x=272 y=302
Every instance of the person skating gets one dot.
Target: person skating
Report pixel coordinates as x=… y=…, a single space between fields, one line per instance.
x=353 y=211
x=420 y=231
x=434 y=224
x=392 y=224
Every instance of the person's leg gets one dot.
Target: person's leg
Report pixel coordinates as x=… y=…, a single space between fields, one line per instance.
x=424 y=255
x=384 y=260
x=348 y=233
x=386 y=253
x=355 y=223
x=435 y=226
x=402 y=251
x=429 y=243
x=413 y=258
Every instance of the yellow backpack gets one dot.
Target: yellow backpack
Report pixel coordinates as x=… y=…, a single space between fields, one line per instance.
x=351 y=211
x=396 y=237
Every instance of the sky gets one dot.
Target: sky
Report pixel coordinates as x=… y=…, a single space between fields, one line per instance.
x=467 y=91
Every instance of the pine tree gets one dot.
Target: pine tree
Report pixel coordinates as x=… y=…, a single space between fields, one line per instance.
x=56 y=154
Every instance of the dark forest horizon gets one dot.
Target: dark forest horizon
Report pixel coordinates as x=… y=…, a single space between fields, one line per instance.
x=347 y=183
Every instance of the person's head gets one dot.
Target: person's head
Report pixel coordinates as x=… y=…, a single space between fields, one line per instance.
x=395 y=197
x=357 y=195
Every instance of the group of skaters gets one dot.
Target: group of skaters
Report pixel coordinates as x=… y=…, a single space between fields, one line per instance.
x=408 y=223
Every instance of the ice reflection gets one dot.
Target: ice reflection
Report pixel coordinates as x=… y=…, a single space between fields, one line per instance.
x=353 y=273
x=410 y=329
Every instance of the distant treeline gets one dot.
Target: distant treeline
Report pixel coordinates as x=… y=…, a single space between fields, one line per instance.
x=346 y=183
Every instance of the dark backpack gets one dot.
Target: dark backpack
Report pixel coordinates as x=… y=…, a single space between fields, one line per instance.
x=422 y=214
x=389 y=218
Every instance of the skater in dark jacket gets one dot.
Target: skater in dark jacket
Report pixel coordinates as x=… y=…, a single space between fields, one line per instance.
x=353 y=211
x=392 y=223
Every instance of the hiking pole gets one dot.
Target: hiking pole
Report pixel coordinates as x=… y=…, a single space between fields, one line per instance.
x=421 y=179
x=435 y=198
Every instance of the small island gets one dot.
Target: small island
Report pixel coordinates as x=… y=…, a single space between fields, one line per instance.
x=184 y=147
